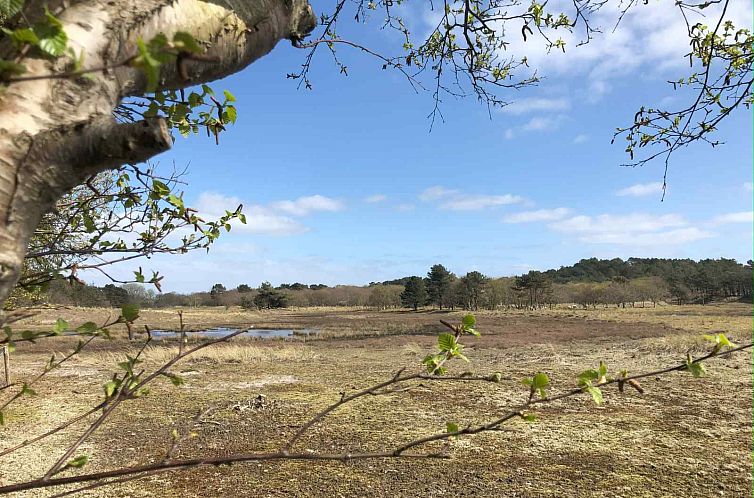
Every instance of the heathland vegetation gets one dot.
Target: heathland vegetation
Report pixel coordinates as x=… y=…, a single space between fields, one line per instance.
x=589 y=283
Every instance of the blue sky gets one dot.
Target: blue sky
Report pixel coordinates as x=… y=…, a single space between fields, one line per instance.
x=346 y=184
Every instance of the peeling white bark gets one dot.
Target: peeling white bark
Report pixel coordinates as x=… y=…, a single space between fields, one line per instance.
x=56 y=133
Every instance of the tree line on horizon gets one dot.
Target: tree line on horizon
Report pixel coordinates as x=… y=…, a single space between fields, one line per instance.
x=588 y=283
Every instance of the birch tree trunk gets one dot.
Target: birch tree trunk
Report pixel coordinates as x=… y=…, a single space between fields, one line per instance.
x=56 y=133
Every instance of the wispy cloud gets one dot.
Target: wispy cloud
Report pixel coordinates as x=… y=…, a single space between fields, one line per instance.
x=667 y=238
x=542 y=123
x=437 y=192
x=636 y=229
x=405 y=208
x=259 y=219
x=373 y=199
x=581 y=138
x=307 y=205
x=538 y=215
x=457 y=201
x=215 y=204
x=526 y=106
x=641 y=189
x=276 y=218
x=476 y=202
x=740 y=217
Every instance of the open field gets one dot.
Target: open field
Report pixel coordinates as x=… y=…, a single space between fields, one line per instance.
x=683 y=437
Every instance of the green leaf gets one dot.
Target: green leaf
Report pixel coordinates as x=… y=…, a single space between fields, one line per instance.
x=175 y=201
x=229 y=97
x=529 y=417
x=88 y=223
x=175 y=379
x=26 y=390
x=156 y=47
x=447 y=342
x=29 y=335
x=451 y=427
x=603 y=369
x=596 y=394
x=720 y=341
x=540 y=380
x=473 y=332
x=468 y=321
x=78 y=462
x=148 y=64
x=230 y=114
x=87 y=328
x=22 y=35
x=53 y=39
x=539 y=383
x=110 y=388
x=431 y=361
x=160 y=189
x=9 y=8
x=587 y=376
x=9 y=68
x=129 y=312
x=186 y=42
x=60 y=326
x=696 y=368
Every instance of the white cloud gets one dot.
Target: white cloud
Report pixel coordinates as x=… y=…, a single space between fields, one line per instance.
x=455 y=200
x=538 y=215
x=309 y=204
x=597 y=89
x=525 y=106
x=541 y=123
x=650 y=40
x=214 y=204
x=258 y=218
x=437 y=192
x=641 y=189
x=581 y=138
x=405 y=208
x=749 y=187
x=667 y=238
x=477 y=202
x=740 y=217
x=372 y=199
x=275 y=219
x=636 y=229
x=261 y=220
x=536 y=123
x=608 y=223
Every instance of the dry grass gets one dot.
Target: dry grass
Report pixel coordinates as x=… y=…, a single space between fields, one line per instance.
x=245 y=352
x=683 y=437
x=237 y=353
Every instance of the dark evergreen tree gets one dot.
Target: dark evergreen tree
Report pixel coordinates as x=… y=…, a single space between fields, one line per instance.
x=438 y=285
x=269 y=298
x=414 y=293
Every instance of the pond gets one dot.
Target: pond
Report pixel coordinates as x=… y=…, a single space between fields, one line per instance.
x=214 y=333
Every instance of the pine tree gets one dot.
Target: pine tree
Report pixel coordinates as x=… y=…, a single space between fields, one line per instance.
x=438 y=284
x=414 y=293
